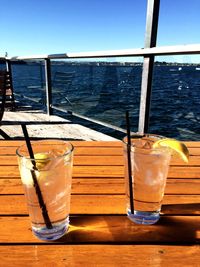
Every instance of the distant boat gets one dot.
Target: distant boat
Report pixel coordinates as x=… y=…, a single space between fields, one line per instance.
x=180 y=68
x=197 y=68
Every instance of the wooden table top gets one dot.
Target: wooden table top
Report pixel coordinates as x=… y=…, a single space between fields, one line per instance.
x=100 y=233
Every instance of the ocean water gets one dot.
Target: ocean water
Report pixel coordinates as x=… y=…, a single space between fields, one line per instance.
x=105 y=92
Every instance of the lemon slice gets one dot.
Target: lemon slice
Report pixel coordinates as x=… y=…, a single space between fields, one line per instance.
x=178 y=148
x=41 y=160
x=27 y=166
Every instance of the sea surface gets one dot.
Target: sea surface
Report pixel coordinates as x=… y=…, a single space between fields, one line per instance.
x=105 y=92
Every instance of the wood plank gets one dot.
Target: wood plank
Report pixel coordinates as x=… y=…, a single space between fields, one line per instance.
x=99 y=255
x=78 y=171
x=192 y=143
x=193 y=161
x=9 y=150
x=112 y=160
x=80 y=204
x=109 y=171
x=109 y=229
x=84 y=150
x=11 y=186
x=105 y=204
x=106 y=186
x=78 y=160
x=119 y=160
x=79 y=186
x=99 y=154
x=91 y=151
x=184 y=172
x=194 y=151
x=183 y=186
x=8 y=160
x=9 y=171
x=17 y=143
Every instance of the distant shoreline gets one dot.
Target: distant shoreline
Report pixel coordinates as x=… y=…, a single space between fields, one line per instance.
x=98 y=63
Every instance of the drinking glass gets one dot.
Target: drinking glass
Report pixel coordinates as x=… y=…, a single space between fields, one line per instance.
x=47 y=186
x=146 y=180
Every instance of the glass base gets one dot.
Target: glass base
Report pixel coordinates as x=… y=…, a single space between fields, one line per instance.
x=144 y=217
x=58 y=230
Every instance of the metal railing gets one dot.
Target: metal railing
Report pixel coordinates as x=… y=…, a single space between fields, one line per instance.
x=148 y=53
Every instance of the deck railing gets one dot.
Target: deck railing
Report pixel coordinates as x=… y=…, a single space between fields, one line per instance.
x=148 y=53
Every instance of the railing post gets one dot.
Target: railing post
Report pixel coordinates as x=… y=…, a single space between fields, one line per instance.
x=48 y=85
x=148 y=63
x=10 y=97
x=8 y=65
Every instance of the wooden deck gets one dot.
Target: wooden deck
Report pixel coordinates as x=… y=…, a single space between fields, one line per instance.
x=40 y=125
x=100 y=233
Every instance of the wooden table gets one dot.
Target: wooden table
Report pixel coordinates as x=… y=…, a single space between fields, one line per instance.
x=100 y=233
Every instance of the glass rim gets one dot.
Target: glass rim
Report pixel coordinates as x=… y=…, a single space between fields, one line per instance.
x=140 y=135
x=71 y=149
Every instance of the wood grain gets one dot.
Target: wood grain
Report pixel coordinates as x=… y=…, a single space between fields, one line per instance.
x=100 y=255
x=108 y=229
x=104 y=204
x=106 y=185
x=110 y=160
x=81 y=171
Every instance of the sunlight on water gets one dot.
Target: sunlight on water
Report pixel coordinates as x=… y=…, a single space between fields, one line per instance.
x=105 y=92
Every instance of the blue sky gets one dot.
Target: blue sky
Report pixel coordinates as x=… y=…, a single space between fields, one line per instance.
x=31 y=27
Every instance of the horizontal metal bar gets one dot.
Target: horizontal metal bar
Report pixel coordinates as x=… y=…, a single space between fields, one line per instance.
x=156 y=51
x=27 y=97
x=28 y=57
x=89 y=119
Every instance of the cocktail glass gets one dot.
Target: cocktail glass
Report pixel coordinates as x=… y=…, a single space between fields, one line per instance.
x=47 y=185
x=148 y=171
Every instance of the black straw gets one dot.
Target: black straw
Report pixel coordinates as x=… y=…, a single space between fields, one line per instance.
x=129 y=161
x=35 y=182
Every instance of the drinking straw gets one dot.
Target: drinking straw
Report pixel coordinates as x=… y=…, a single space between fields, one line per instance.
x=35 y=182
x=129 y=162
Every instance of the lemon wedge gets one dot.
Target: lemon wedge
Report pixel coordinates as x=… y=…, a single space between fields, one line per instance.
x=26 y=167
x=178 y=148
x=41 y=160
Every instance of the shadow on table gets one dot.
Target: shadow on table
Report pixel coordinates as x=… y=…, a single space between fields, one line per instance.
x=181 y=209
x=110 y=229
